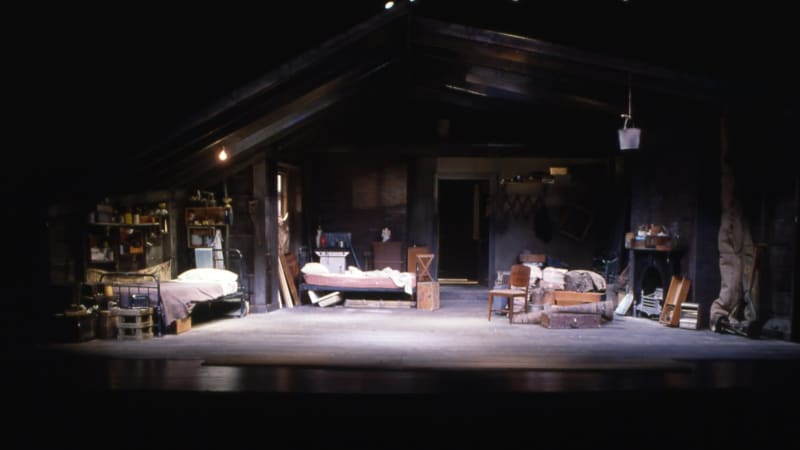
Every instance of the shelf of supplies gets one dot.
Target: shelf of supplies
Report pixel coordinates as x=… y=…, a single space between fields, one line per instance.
x=126 y=225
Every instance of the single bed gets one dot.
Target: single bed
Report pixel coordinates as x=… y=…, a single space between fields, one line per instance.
x=175 y=299
x=318 y=278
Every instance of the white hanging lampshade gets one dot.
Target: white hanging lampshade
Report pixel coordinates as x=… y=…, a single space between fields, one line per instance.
x=629 y=137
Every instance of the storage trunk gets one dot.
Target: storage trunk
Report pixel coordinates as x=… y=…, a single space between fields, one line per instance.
x=566 y=298
x=570 y=320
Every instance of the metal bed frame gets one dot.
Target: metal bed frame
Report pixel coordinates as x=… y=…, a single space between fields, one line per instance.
x=133 y=294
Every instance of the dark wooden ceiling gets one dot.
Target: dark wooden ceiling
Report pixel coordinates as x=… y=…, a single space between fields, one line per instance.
x=388 y=81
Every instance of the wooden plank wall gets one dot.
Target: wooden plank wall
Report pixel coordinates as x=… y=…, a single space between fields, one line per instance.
x=665 y=181
x=360 y=196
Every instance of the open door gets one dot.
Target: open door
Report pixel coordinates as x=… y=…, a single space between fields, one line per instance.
x=463 y=249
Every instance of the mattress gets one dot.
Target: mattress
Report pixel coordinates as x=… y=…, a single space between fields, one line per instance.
x=375 y=279
x=179 y=297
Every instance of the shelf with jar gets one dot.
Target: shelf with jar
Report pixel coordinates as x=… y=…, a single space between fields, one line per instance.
x=202 y=223
x=120 y=247
x=125 y=241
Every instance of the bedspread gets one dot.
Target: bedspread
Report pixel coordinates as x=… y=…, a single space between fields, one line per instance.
x=354 y=278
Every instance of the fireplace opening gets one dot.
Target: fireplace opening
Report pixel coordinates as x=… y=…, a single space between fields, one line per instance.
x=651 y=271
x=651 y=280
x=651 y=297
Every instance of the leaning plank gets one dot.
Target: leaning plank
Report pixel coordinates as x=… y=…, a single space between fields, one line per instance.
x=676 y=295
x=326 y=300
x=290 y=278
x=287 y=299
x=368 y=303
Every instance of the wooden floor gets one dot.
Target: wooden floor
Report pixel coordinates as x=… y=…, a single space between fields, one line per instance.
x=322 y=366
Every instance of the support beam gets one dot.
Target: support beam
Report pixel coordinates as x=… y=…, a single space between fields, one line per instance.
x=589 y=62
x=281 y=121
x=261 y=264
x=213 y=120
x=271 y=225
x=795 y=336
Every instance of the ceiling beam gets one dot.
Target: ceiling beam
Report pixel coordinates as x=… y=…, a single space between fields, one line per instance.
x=222 y=116
x=478 y=81
x=279 y=123
x=462 y=40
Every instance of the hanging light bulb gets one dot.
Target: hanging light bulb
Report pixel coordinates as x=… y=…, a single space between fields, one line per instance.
x=223 y=155
x=388 y=5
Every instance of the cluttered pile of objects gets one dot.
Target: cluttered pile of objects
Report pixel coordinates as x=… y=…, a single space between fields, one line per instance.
x=560 y=297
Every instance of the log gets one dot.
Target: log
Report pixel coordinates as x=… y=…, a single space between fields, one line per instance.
x=561 y=320
x=605 y=309
x=531 y=317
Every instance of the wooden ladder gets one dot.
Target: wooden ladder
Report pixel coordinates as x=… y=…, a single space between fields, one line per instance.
x=676 y=295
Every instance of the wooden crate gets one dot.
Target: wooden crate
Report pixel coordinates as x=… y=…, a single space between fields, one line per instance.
x=566 y=298
x=428 y=295
x=181 y=325
x=570 y=320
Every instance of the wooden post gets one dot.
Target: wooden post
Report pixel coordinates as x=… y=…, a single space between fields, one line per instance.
x=271 y=226
x=795 y=335
x=260 y=251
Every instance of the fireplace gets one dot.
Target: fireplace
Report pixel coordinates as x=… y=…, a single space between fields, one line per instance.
x=651 y=268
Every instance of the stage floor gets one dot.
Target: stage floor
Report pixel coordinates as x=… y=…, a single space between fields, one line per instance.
x=302 y=362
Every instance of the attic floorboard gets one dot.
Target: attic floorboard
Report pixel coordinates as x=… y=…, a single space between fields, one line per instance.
x=384 y=368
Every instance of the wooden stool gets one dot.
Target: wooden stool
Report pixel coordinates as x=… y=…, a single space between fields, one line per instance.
x=424 y=267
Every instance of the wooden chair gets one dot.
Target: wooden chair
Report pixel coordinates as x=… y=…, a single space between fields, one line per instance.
x=518 y=286
x=676 y=295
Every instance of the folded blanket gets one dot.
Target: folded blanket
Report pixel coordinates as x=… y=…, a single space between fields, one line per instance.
x=400 y=279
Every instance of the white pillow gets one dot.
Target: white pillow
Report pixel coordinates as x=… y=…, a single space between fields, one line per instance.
x=208 y=274
x=314 y=268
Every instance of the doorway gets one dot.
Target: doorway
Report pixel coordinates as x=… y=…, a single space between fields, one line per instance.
x=463 y=247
